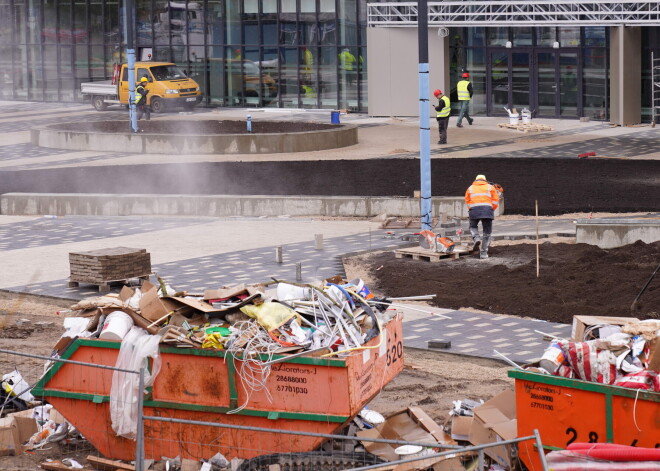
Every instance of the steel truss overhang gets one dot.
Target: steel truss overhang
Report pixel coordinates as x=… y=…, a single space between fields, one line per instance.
x=520 y=13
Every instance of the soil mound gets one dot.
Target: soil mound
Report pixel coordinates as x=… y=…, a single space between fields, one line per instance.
x=196 y=127
x=575 y=279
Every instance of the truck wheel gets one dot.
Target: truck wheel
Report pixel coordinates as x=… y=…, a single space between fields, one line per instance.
x=99 y=104
x=157 y=105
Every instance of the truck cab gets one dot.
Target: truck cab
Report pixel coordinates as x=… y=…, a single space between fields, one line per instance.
x=169 y=86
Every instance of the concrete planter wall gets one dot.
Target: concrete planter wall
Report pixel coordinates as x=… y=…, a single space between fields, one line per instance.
x=339 y=136
x=610 y=233
x=35 y=204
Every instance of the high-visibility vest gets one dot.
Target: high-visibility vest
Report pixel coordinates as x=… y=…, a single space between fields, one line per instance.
x=346 y=60
x=444 y=112
x=138 y=94
x=309 y=91
x=482 y=193
x=462 y=89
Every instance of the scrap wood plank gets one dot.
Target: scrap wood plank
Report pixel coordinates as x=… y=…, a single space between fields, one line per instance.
x=109 y=465
x=394 y=223
x=58 y=466
x=419 y=253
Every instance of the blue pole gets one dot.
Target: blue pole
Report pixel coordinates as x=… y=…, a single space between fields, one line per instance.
x=424 y=121
x=132 y=112
x=130 y=56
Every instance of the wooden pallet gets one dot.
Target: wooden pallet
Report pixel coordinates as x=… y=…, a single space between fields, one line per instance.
x=419 y=253
x=526 y=127
x=104 y=286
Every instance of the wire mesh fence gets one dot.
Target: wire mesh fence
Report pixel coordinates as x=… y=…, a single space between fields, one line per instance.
x=65 y=409
x=42 y=398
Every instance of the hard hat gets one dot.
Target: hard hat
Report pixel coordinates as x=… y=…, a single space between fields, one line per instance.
x=437 y=93
x=144 y=79
x=481 y=177
x=466 y=75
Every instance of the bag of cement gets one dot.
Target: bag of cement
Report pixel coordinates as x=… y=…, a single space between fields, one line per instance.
x=269 y=315
x=14 y=385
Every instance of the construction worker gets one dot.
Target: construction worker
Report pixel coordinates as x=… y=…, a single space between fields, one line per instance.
x=482 y=200
x=347 y=63
x=464 y=90
x=141 y=93
x=442 y=112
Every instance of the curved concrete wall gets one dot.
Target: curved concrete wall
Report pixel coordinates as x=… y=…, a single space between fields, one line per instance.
x=342 y=136
x=59 y=204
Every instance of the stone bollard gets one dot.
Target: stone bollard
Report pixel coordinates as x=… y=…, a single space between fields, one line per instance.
x=278 y=254
x=319 y=241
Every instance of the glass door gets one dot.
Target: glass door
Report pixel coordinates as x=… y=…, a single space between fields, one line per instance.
x=508 y=81
x=547 y=102
x=558 y=84
x=498 y=82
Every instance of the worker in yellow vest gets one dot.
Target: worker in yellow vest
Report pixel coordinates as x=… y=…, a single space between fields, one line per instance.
x=348 y=65
x=442 y=112
x=464 y=89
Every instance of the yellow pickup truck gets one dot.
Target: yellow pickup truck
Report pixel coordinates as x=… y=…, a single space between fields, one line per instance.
x=169 y=87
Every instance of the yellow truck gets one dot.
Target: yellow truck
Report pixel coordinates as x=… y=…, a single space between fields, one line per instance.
x=169 y=87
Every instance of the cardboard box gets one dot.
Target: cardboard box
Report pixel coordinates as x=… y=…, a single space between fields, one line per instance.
x=460 y=427
x=449 y=464
x=406 y=426
x=14 y=431
x=654 y=355
x=495 y=420
x=582 y=323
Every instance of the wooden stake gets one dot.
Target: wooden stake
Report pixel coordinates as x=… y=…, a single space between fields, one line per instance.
x=536 y=204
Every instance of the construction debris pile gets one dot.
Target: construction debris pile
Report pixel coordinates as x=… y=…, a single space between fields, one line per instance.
x=281 y=317
x=619 y=351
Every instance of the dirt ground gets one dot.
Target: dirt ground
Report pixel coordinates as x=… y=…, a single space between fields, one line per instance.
x=198 y=127
x=575 y=279
x=429 y=380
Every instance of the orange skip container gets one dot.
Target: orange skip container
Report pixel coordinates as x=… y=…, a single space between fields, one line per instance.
x=569 y=410
x=307 y=394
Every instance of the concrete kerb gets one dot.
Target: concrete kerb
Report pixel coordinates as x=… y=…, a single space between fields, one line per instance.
x=307 y=141
x=63 y=204
x=610 y=233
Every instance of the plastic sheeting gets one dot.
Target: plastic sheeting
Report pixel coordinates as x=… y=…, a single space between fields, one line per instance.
x=136 y=349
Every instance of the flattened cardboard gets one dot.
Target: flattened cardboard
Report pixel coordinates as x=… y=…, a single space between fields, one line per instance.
x=430 y=425
x=581 y=323
x=400 y=426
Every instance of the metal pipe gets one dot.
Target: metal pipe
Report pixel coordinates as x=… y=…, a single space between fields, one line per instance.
x=139 y=439
x=539 y=447
x=424 y=120
x=451 y=448
x=73 y=362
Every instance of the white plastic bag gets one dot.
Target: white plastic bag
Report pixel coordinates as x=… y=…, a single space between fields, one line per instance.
x=135 y=350
x=14 y=385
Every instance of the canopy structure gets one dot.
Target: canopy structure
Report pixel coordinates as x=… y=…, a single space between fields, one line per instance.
x=519 y=13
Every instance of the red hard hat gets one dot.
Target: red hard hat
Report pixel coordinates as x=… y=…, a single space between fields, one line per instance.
x=466 y=75
x=437 y=92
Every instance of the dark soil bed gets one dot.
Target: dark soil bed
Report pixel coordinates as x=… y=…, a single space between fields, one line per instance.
x=575 y=279
x=196 y=127
x=560 y=185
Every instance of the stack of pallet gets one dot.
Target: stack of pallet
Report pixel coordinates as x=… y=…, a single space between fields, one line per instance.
x=102 y=266
x=526 y=127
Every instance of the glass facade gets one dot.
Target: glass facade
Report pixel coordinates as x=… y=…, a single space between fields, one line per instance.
x=553 y=71
x=265 y=53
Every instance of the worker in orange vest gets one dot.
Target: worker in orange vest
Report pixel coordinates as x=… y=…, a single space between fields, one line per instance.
x=482 y=199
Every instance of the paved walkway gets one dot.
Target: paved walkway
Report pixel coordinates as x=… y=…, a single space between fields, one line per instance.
x=202 y=253
x=199 y=253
